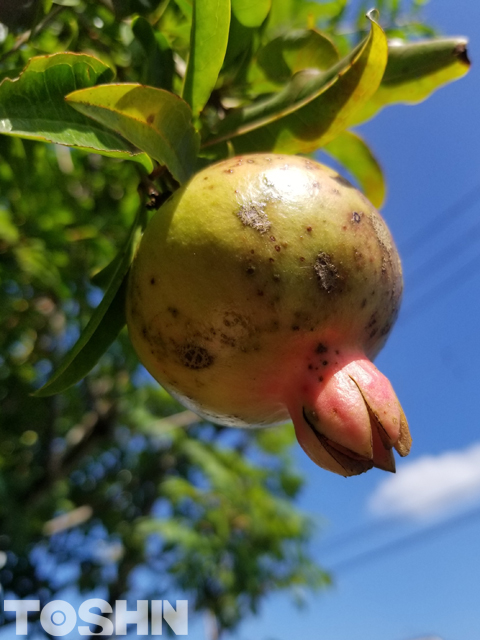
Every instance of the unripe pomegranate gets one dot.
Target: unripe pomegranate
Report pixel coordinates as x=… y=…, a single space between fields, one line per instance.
x=261 y=290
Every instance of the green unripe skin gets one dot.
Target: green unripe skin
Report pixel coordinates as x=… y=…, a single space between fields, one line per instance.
x=255 y=284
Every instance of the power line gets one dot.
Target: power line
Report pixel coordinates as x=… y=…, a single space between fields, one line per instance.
x=445 y=255
x=451 y=283
x=449 y=215
x=354 y=536
x=452 y=496
x=464 y=273
x=407 y=541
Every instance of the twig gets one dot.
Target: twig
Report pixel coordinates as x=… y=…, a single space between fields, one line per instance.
x=68 y=520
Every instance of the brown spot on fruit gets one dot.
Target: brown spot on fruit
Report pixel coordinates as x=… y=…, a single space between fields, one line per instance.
x=343 y=181
x=233 y=319
x=193 y=356
x=321 y=348
x=227 y=340
x=326 y=272
x=152 y=280
x=356 y=217
x=386 y=329
x=150 y=118
x=382 y=233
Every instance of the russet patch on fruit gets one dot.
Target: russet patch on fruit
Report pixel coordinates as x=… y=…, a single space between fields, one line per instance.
x=261 y=291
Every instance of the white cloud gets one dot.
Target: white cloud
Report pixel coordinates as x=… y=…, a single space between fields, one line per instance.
x=430 y=485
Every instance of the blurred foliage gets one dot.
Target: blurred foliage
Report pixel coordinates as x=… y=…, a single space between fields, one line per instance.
x=111 y=486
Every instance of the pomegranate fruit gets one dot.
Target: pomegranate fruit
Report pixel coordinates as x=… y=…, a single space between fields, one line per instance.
x=261 y=290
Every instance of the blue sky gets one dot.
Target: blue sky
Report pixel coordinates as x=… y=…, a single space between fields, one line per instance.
x=427 y=583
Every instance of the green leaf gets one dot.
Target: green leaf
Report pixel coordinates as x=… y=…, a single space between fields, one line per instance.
x=67 y=3
x=354 y=154
x=296 y=51
x=314 y=107
x=173 y=531
x=103 y=277
x=105 y=324
x=286 y=55
x=33 y=106
x=208 y=45
x=154 y=120
x=186 y=7
x=416 y=70
x=239 y=50
x=125 y=8
x=251 y=13
x=8 y=229
x=158 y=68
x=301 y=13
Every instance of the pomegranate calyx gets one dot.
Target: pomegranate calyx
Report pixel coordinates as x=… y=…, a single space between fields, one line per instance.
x=351 y=462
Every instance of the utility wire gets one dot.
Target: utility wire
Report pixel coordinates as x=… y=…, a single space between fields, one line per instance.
x=445 y=255
x=355 y=535
x=407 y=541
x=449 y=497
x=452 y=282
x=458 y=277
x=443 y=220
